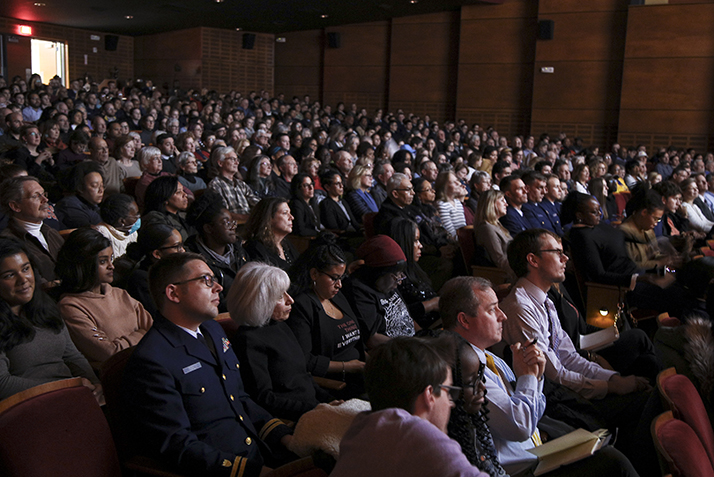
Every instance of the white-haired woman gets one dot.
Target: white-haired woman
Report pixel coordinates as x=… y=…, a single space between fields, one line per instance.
x=273 y=367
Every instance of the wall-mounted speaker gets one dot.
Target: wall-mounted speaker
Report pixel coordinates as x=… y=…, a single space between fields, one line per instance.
x=333 y=40
x=546 y=29
x=111 y=42
x=248 y=41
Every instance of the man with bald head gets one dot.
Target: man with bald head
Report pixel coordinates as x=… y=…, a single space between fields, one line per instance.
x=113 y=173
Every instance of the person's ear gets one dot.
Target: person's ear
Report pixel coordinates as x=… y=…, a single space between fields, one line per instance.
x=14 y=206
x=172 y=294
x=314 y=274
x=156 y=254
x=463 y=320
x=531 y=259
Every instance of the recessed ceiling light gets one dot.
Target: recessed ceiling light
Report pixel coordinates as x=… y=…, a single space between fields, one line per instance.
x=129 y=17
x=413 y=1
x=324 y=16
x=219 y=1
x=238 y=29
x=38 y=4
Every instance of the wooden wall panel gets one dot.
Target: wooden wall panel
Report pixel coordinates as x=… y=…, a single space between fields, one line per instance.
x=424 y=64
x=227 y=66
x=586 y=53
x=298 y=64
x=19 y=57
x=99 y=65
x=170 y=59
x=495 y=70
x=668 y=75
x=357 y=72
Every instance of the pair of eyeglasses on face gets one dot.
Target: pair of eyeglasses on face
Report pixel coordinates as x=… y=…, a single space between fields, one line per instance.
x=177 y=246
x=454 y=391
x=473 y=385
x=229 y=224
x=407 y=189
x=559 y=251
x=208 y=280
x=335 y=278
x=399 y=277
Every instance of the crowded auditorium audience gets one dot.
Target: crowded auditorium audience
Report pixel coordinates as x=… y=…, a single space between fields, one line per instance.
x=330 y=236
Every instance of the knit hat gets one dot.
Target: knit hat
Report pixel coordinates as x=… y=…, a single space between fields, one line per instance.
x=380 y=251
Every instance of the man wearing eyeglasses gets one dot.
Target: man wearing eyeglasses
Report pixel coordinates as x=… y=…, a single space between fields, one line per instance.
x=409 y=385
x=182 y=390
x=469 y=307
x=536 y=256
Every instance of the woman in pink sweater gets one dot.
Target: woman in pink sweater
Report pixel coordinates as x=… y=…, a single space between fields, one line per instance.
x=101 y=320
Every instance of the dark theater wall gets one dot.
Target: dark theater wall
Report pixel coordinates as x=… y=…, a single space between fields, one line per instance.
x=667 y=94
x=582 y=95
x=496 y=55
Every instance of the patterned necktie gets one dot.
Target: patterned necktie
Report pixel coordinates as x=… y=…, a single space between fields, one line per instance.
x=552 y=316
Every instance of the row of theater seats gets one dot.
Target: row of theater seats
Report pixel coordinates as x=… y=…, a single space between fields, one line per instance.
x=37 y=439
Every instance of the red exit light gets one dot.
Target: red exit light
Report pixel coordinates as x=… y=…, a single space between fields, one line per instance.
x=25 y=30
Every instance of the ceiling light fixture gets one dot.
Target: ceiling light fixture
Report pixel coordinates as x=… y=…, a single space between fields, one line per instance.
x=220 y=1
x=38 y=4
x=238 y=29
x=129 y=17
x=324 y=16
x=413 y=2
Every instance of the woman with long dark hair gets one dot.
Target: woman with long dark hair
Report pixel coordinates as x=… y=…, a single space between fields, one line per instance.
x=416 y=289
x=35 y=347
x=268 y=226
x=102 y=320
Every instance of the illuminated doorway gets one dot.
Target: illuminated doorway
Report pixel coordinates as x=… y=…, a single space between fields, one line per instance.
x=49 y=58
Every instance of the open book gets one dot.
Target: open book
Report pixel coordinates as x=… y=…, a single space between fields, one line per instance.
x=569 y=448
x=600 y=339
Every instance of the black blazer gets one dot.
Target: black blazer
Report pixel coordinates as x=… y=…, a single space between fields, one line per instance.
x=306 y=219
x=333 y=218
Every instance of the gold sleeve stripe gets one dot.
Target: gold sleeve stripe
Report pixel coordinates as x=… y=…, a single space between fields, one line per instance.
x=268 y=428
x=239 y=467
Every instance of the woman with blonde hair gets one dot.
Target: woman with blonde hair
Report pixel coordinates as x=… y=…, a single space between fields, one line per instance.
x=488 y=231
x=360 y=200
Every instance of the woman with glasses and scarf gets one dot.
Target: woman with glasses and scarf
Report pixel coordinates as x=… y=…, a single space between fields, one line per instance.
x=322 y=319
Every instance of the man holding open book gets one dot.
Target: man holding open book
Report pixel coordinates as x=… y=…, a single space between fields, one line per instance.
x=537 y=258
x=469 y=307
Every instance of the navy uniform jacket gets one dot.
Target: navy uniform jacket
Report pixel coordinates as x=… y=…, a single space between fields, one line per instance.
x=537 y=217
x=552 y=209
x=191 y=411
x=514 y=222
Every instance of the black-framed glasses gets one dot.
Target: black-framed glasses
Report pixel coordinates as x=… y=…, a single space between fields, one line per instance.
x=335 y=278
x=208 y=280
x=399 y=277
x=407 y=189
x=559 y=251
x=454 y=391
x=480 y=378
x=177 y=246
